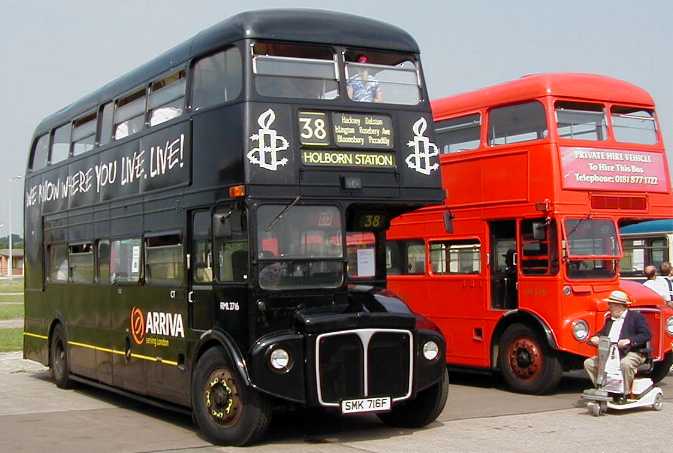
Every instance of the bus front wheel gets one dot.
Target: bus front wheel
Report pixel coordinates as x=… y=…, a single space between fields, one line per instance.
x=227 y=411
x=661 y=369
x=527 y=363
x=59 y=367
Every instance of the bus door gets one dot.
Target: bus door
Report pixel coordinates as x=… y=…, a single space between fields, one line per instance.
x=503 y=265
x=219 y=270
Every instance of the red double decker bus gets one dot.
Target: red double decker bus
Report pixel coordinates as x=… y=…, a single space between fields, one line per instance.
x=540 y=173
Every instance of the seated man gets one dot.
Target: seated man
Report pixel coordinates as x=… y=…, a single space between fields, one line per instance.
x=629 y=330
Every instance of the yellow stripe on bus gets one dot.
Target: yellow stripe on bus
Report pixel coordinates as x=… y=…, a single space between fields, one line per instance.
x=114 y=351
x=34 y=335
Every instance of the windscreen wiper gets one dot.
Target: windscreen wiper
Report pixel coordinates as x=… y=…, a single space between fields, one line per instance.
x=281 y=213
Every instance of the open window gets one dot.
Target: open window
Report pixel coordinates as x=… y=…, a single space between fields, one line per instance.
x=80 y=263
x=295 y=71
x=581 y=121
x=129 y=117
x=634 y=125
x=459 y=134
x=164 y=262
x=167 y=98
x=84 y=134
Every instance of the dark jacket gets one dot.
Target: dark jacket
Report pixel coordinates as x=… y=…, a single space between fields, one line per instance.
x=635 y=328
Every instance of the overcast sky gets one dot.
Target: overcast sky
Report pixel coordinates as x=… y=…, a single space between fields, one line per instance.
x=54 y=52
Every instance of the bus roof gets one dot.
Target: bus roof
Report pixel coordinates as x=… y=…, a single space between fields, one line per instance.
x=574 y=85
x=300 y=25
x=651 y=226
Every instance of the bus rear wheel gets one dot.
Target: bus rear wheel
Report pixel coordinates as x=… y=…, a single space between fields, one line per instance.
x=526 y=362
x=227 y=411
x=59 y=367
x=422 y=410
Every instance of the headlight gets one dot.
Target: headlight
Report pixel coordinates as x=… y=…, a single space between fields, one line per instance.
x=580 y=329
x=279 y=359
x=430 y=350
x=567 y=290
x=669 y=325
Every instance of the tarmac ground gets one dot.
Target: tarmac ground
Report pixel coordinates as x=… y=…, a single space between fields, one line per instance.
x=480 y=416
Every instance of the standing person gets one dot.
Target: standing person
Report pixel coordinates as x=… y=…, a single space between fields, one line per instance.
x=362 y=86
x=666 y=271
x=656 y=284
x=627 y=328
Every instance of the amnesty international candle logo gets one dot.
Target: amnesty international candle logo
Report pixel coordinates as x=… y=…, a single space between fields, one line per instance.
x=269 y=144
x=424 y=150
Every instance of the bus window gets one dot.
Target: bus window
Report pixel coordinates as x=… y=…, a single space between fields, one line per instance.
x=231 y=244
x=167 y=98
x=104 y=261
x=129 y=115
x=459 y=134
x=41 y=152
x=539 y=253
x=84 y=134
x=106 y=124
x=517 y=123
x=455 y=257
x=217 y=79
x=57 y=262
x=578 y=121
x=295 y=71
x=202 y=254
x=125 y=261
x=163 y=260
x=634 y=125
x=310 y=247
x=80 y=262
x=641 y=252
x=592 y=248
x=382 y=77
x=361 y=248
x=405 y=257
x=60 y=148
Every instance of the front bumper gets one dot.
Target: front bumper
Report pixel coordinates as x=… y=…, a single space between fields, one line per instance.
x=372 y=355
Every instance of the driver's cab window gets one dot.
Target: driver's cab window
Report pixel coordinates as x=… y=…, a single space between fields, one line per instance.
x=231 y=244
x=295 y=71
x=202 y=253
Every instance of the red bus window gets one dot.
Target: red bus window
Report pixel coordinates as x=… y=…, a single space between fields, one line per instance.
x=405 y=257
x=459 y=134
x=455 y=257
x=634 y=125
x=517 y=123
x=579 y=121
x=539 y=248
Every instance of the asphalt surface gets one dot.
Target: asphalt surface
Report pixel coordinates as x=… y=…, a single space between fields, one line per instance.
x=480 y=416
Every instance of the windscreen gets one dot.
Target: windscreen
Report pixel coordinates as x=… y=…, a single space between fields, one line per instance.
x=299 y=247
x=587 y=241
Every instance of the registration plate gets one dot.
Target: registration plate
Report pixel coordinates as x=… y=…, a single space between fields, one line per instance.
x=365 y=405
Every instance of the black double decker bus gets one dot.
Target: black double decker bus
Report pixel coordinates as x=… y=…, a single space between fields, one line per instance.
x=207 y=232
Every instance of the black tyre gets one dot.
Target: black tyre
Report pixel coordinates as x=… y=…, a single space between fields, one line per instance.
x=422 y=410
x=527 y=363
x=226 y=410
x=59 y=367
x=661 y=369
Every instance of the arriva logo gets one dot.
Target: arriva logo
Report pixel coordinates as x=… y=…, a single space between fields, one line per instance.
x=157 y=323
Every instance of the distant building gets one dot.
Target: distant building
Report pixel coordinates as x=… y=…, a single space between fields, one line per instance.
x=17 y=261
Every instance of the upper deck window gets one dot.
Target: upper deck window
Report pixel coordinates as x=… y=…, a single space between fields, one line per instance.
x=60 y=148
x=634 y=125
x=41 y=152
x=295 y=71
x=167 y=98
x=382 y=77
x=217 y=78
x=577 y=121
x=84 y=134
x=459 y=134
x=517 y=123
x=129 y=115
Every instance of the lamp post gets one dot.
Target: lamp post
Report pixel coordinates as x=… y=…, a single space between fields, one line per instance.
x=11 y=263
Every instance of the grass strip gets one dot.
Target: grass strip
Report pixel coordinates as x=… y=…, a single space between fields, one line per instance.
x=11 y=339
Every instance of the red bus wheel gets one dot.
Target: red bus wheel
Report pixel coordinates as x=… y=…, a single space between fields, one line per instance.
x=527 y=363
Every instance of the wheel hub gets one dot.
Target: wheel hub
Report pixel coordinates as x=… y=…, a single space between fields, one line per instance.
x=222 y=398
x=525 y=358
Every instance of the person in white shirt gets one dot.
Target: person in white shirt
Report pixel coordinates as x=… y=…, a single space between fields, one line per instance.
x=657 y=284
x=667 y=275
